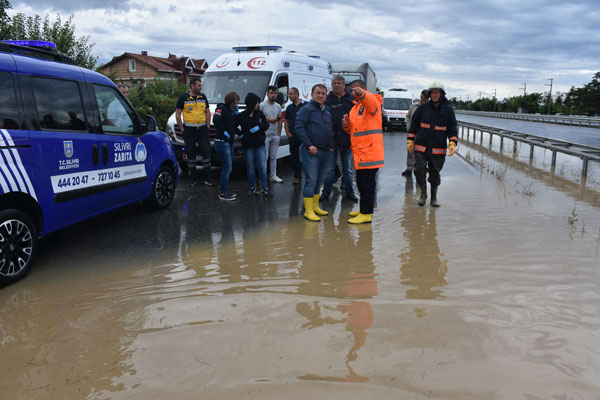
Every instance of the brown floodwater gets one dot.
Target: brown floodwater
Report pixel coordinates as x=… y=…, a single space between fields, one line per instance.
x=495 y=295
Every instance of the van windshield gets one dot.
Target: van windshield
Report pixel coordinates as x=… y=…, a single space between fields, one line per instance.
x=215 y=85
x=392 y=103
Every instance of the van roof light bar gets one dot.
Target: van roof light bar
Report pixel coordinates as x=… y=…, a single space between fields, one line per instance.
x=31 y=43
x=35 y=48
x=241 y=49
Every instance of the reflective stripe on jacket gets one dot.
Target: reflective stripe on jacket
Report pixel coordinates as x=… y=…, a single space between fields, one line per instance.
x=366 y=133
x=432 y=127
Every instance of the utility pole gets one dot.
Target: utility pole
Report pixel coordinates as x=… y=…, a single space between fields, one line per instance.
x=480 y=95
x=549 y=93
x=524 y=89
x=494 y=100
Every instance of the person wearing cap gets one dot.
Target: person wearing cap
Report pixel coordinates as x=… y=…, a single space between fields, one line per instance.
x=433 y=132
x=410 y=157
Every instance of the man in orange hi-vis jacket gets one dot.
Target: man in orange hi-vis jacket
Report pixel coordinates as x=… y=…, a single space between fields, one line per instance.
x=363 y=124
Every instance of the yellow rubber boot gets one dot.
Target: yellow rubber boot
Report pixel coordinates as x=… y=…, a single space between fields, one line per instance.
x=354 y=213
x=361 y=219
x=309 y=212
x=316 y=208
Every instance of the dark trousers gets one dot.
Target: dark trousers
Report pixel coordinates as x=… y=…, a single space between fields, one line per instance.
x=295 y=157
x=365 y=180
x=425 y=162
x=192 y=137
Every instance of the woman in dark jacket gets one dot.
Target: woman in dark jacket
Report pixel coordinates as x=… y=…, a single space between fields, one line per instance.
x=253 y=124
x=226 y=125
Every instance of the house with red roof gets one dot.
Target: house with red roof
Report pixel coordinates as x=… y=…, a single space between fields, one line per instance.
x=136 y=70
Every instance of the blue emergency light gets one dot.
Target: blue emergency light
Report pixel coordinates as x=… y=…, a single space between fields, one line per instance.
x=31 y=43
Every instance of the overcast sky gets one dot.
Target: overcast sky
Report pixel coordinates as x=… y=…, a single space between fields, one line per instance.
x=471 y=46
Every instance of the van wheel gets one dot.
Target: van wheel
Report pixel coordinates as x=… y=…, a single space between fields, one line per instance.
x=18 y=245
x=163 y=190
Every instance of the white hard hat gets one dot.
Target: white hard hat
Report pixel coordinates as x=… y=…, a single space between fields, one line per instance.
x=436 y=86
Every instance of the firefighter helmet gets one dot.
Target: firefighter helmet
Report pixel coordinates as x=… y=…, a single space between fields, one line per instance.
x=436 y=86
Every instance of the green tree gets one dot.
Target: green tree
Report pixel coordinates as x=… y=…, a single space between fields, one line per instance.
x=4 y=18
x=158 y=98
x=62 y=34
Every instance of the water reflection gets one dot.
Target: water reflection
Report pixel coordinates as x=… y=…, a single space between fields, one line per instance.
x=423 y=265
x=349 y=276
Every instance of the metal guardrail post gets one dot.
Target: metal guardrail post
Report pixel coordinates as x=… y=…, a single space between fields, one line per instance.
x=585 y=166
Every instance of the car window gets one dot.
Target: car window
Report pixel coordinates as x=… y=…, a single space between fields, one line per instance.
x=58 y=104
x=9 y=114
x=115 y=113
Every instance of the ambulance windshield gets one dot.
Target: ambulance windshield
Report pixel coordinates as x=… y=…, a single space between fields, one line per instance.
x=215 y=85
x=395 y=103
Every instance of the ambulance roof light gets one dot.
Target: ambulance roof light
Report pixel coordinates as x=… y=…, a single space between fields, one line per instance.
x=317 y=57
x=256 y=48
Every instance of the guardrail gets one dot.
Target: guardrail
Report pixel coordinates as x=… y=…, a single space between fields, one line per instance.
x=586 y=153
x=591 y=122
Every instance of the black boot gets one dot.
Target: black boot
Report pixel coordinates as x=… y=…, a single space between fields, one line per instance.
x=434 y=202
x=423 y=198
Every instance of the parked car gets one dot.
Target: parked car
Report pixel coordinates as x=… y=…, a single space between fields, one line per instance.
x=71 y=147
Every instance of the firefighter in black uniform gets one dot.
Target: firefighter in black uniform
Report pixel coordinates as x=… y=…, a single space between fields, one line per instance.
x=432 y=126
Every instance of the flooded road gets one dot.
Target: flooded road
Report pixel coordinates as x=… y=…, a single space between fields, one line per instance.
x=494 y=295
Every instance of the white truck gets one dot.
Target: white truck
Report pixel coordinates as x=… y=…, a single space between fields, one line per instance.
x=253 y=69
x=353 y=71
x=396 y=103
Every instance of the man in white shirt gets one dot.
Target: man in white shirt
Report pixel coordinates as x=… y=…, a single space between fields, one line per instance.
x=272 y=111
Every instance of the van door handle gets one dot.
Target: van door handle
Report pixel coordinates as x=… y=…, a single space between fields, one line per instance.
x=95 y=155
x=104 y=153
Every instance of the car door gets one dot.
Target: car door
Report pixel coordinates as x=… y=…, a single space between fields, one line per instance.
x=123 y=152
x=64 y=150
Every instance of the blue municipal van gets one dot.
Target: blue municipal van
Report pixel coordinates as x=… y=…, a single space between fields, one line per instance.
x=71 y=147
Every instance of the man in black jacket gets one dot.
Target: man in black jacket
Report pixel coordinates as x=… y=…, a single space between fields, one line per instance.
x=432 y=126
x=340 y=103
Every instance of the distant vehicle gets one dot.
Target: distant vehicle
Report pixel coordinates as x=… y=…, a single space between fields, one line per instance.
x=354 y=71
x=253 y=69
x=396 y=103
x=71 y=147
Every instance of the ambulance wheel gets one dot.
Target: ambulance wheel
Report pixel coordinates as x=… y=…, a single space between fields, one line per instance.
x=18 y=245
x=163 y=189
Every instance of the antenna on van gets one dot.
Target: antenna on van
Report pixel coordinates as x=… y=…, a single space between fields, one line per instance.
x=239 y=61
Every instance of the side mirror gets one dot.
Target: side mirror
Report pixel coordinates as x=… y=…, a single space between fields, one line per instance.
x=151 y=124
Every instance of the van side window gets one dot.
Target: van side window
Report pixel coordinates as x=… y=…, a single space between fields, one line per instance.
x=115 y=113
x=282 y=87
x=59 y=105
x=9 y=113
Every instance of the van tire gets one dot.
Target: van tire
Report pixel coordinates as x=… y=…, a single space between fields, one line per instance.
x=163 y=189
x=18 y=245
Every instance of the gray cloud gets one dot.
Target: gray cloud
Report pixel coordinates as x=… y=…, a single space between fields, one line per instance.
x=470 y=43
x=71 y=6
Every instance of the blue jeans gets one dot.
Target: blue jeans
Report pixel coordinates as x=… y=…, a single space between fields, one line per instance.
x=315 y=169
x=347 y=161
x=256 y=158
x=225 y=152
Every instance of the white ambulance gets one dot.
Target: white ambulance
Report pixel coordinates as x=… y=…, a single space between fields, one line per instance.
x=396 y=103
x=253 y=69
